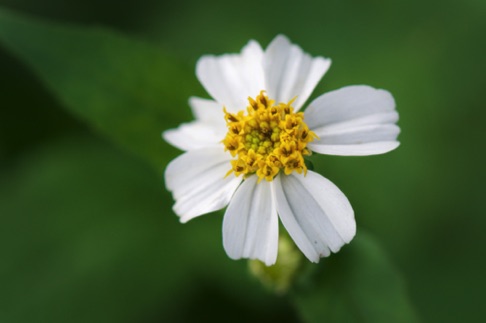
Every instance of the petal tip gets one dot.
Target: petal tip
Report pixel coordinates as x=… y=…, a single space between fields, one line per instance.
x=281 y=38
x=269 y=262
x=167 y=134
x=182 y=219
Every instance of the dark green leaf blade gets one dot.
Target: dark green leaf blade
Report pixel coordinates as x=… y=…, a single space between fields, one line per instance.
x=127 y=89
x=358 y=284
x=86 y=235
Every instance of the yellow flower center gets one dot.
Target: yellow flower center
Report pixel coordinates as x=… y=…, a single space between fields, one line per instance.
x=269 y=138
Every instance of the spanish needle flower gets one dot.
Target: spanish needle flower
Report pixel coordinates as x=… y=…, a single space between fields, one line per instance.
x=246 y=149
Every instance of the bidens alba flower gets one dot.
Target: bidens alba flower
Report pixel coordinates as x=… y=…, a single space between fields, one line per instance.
x=246 y=150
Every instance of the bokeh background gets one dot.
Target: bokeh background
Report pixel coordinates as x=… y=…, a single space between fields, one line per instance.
x=86 y=228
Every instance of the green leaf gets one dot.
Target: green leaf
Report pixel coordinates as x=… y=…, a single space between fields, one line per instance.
x=358 y=284
x=127 y=89
x=87 y=235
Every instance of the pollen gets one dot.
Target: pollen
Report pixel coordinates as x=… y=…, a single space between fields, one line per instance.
x=267 y=139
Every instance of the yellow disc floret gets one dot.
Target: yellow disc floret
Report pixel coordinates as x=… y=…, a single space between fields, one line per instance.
x=269 y=138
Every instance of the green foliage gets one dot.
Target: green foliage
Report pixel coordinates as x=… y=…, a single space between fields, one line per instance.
x=356 y=285
x=124 y=88
x=85 y=238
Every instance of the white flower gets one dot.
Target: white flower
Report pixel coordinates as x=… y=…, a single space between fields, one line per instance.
x=253 y=160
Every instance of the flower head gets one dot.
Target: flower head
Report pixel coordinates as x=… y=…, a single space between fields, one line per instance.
x=269 y=139
x=247 y=148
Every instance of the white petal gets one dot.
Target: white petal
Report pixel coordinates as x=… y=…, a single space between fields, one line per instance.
x=208 y=130
x=315 y=213
x=348 y=103
x=194 y=135
x=357 y=140
x=355 y=120
x=289 y=72
x=207 y=110
x=250 y=225
x=198 y=183
x=365 y=149
x=230 y=79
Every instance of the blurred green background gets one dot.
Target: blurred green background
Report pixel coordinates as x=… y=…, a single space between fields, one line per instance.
x=86 y=228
